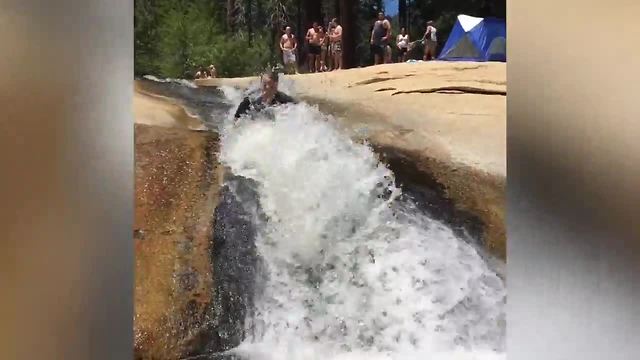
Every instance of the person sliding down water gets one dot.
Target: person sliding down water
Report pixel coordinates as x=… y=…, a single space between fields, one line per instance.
x=270 y=96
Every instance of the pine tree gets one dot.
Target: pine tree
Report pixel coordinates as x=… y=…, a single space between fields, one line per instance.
x=173 y=38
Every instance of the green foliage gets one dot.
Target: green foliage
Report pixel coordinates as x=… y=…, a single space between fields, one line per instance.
x=145 y=35
x=233 y=56
x=184 y=34
x=175 y=38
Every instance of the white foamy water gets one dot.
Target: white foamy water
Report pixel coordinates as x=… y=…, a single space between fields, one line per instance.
x=234 y=95
x=353 y=273
x=184 y=82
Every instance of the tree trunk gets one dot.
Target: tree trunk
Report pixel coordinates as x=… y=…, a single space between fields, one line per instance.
x=275 y=38
x=312 y=11
x=300 y=31
x=233 y=11
x=348 y=20
x=402 y=13
x=249 y=19
x=260 y=15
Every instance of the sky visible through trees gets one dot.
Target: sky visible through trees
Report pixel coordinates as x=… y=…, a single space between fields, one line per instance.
x=391 y=7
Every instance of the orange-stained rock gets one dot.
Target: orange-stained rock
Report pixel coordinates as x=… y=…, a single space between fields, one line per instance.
x=177 y=179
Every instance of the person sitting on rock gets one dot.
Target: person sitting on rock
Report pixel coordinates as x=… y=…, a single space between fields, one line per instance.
x=201 y=74
x=269 y=96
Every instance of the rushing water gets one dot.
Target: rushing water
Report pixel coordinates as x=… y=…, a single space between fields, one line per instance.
x=340 y=267
x=351 y=272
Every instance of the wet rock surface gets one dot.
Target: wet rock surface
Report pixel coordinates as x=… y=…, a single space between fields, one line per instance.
x=429 y=195
x=195 y=228
x=177 y=181
x=468 y=200
x=235 y=260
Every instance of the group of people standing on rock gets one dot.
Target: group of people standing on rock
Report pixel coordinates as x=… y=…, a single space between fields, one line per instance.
x=381 y=42
x=205 y=73
x=324 y=48
x=324 y=45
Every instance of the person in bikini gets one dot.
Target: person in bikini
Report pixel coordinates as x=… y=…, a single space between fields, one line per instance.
x=402 y=42
x=388 y=54
x=336 y=44
x=289 y=45
x=329 y=58
x=388 y=48
x=324 y=41
x=314 y=47
x=430 y=42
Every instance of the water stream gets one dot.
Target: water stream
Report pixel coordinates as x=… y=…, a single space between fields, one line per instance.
x=319 y=256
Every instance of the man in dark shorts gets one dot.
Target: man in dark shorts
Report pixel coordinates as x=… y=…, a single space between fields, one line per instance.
x=315 y=50
x=380 y=38
x=269 y=96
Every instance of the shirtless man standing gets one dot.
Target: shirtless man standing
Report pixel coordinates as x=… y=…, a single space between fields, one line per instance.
x=336 y=44
x=313 y=41
x=318 y=37
x=380 y=39
x=289 y=45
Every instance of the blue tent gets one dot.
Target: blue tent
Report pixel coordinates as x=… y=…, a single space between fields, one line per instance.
x=476 y=39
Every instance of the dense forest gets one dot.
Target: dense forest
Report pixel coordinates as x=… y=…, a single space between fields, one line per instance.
x=173 y=38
